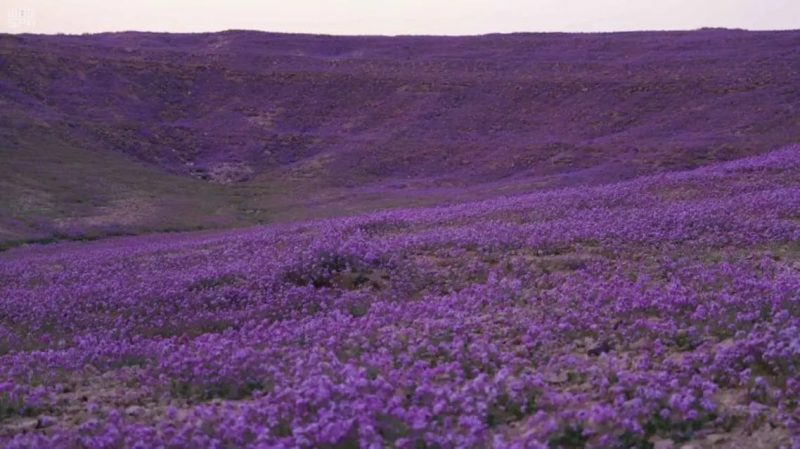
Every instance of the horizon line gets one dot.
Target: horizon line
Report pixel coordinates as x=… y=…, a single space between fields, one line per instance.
x=499 y=33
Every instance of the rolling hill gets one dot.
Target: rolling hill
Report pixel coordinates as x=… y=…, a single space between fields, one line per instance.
x=133 y=132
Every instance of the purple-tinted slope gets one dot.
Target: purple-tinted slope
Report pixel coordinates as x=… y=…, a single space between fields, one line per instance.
x=118 y=133
x=350 y=110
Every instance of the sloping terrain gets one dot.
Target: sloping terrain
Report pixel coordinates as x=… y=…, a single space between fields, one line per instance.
x=660 y=312
x=293 y=126
x=53 y=190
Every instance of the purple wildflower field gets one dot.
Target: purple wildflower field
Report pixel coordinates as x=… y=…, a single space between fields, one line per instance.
x=527 y=240
x=657 y=312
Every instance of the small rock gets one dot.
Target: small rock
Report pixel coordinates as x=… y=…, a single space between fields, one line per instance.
x=603 y=347
x=22 y=426
x=134 y=410
x=716 y=438
x=556 y=378
x=663 y=444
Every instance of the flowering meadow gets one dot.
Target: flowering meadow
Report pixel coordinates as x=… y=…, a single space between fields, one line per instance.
x=654 y=313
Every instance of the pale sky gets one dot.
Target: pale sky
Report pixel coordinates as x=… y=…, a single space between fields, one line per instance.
x=391 y=17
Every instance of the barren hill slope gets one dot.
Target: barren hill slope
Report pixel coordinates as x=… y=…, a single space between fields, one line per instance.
x=252 y=127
